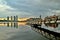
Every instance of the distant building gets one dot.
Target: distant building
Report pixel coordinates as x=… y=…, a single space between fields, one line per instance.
x=54 y=17
x=34 y=21
x=58 y=17
x=15 y=18
x=7 y=18
x=40 y=16
x=11 y=18
x=51 y=18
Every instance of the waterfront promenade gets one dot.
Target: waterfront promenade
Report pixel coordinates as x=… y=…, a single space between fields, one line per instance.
x=51 y=34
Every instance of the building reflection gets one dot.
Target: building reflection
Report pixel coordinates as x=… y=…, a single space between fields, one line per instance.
x=12 y=24
x=54 y=25
x=16 y=25
x=8 y=24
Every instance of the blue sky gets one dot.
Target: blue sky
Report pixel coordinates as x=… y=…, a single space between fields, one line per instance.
x=29 y=8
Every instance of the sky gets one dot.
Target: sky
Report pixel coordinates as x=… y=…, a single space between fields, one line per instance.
x=29 y=8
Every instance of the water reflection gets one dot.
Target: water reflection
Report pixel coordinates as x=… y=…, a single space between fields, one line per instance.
x=24 y=29
x=54 y=25
x=19 y=31
x=49 y=30
x=12 y=24
x=17 y=24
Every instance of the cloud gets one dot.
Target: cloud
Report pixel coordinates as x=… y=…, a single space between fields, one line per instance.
x=4 y=6
x=56 y=12
x=29 y=7
x=5 y=9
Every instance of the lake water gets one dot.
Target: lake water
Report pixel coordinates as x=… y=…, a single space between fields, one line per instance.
x=18 y=31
